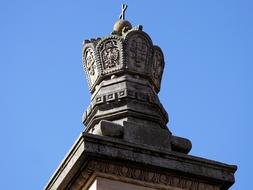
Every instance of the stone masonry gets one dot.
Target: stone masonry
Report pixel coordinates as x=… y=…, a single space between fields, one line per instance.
x=126 y=143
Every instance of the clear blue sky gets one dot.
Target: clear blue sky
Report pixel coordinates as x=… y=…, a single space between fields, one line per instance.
x=206 y=88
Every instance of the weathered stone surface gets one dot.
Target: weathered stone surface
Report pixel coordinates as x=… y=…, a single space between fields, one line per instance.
x=131 y=52
x=150 y=135
x=107 y=128
x=126 y=143
x=124 y=72
x=112 y=158
x=180 y=144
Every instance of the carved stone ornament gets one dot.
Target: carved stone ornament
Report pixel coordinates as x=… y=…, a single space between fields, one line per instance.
x=117 y=54
x=157 y=66
x=90 y=64
x=139 y=51
x=124 y=79
x=126 y=138
x=137 y=175
x=110 y=54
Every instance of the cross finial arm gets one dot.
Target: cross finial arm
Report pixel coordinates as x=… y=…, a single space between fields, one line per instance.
x=123 y=10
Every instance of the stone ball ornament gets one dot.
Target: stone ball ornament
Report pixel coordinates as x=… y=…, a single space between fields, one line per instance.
x=122 y=26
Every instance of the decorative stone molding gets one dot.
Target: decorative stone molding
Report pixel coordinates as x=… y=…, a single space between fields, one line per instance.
x=112 y=158
x=137 y=175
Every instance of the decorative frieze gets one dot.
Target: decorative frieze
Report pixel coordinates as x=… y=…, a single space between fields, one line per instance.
x=138 y=175
x=121 y=94
x=149 y=176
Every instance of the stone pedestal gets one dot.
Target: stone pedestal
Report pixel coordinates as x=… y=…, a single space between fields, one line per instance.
x=98 y=162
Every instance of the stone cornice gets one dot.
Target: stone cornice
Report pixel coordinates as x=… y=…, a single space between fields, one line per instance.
x=91 y=147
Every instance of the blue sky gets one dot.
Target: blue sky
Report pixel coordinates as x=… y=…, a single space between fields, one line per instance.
x=206 y=87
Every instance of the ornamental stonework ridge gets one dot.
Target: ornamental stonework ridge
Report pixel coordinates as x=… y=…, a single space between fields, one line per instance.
x=126 y=143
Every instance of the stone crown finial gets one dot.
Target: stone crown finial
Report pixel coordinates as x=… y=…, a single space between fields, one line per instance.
x=124 y=72
x=128 y=51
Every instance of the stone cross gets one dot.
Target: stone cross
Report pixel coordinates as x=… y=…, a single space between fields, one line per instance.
x=123 y=10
